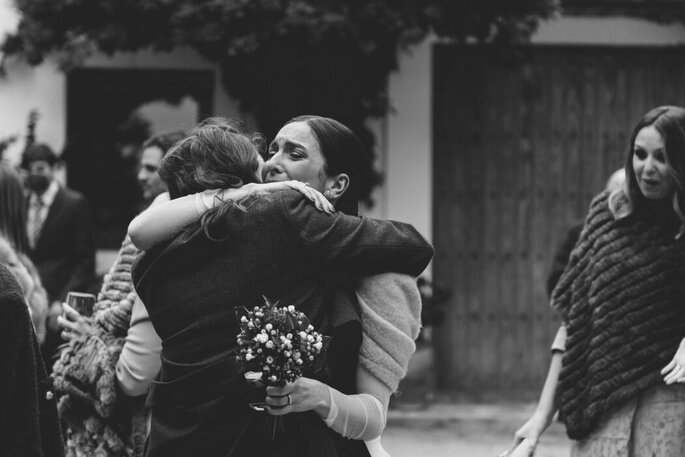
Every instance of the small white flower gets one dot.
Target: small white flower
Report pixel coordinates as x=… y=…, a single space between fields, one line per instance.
x=303 y=335
x=249 y=356
x=272 y=378
x=250 y=325
x=287 y=353
x=318 y=345
x=310 y=338
x=298 y=361
x=243 y=319
x=289 y=336
x=291 y=308
x=269 y=344
x=310 y=328
x=269 y=326
x=269 y=359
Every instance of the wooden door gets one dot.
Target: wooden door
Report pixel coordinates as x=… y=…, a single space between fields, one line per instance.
x=519 y=152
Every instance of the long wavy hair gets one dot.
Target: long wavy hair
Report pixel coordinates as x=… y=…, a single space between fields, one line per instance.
x=343 y=152
x=669 y=121
x=215 y=154
x=13 y=212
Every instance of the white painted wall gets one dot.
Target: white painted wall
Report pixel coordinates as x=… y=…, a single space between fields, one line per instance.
x=44 y=88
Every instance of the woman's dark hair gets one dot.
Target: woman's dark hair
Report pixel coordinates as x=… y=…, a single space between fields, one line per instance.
x=669 y=121
x=13 y=209
x=344 y=153
x=215 y=154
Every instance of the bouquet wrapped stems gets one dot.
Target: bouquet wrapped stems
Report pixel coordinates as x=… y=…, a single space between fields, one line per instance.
x=277 y=345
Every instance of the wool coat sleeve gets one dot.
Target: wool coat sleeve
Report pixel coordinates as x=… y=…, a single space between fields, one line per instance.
x=361 y=245
x=28 y=414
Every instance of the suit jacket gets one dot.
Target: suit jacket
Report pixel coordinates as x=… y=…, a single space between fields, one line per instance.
x=28 y=414
x=280 y=247
x=65 y=253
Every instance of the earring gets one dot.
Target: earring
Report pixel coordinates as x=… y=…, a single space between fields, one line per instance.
x=328 y=193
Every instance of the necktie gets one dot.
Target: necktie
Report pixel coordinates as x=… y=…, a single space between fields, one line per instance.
x=38 y=220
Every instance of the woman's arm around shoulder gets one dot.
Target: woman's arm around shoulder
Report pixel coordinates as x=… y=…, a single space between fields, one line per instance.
x=359 y=244
x=165 y=218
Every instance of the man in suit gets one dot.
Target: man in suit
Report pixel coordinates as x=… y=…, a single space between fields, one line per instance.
x=60 y=234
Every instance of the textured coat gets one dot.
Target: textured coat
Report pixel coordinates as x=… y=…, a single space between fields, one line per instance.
x=621 y=297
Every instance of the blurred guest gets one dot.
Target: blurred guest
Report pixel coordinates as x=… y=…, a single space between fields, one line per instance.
x=60 y=234
x=14 y=245
x=563 y=252
x=616 y=375
x=121 y=320
x=153 y=150
x=28 y=417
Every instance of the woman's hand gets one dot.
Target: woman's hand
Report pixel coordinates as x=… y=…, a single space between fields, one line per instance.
x=313 y=195
x=73 y=324
x=526 y=438
x=675 y=370
x=302 y=395
x=252 y=189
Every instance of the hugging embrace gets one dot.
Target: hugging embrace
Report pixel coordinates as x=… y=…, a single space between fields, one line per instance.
x=225 y=240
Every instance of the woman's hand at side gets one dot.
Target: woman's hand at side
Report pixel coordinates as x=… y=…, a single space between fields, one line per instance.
x=74 y=324
x=675 y=370
x=526 y=438
x=304 y=394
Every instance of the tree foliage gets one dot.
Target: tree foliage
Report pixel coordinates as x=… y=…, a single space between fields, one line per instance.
x=280 y=58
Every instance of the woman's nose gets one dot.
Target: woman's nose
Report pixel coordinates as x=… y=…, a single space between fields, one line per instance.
x=272 y=167
x=649 y=165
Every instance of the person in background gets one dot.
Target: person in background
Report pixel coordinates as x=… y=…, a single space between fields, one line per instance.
x=117 y=312
x=60 y=235
x=28 y=417
x=616 y=376
x=15 y=245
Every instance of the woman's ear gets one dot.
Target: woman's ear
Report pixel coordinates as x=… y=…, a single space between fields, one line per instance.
x=337 y=185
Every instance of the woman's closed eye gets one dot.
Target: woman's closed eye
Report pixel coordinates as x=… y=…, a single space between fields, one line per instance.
x=640 y=153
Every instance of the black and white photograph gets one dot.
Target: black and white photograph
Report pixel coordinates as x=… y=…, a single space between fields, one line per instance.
x=301 y=228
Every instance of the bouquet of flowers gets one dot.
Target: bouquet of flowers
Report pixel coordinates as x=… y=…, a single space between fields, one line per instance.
x=277 y=345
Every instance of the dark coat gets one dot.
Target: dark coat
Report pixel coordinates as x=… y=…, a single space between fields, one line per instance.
x=28 y=415
x=280 y=247
x=65 y=251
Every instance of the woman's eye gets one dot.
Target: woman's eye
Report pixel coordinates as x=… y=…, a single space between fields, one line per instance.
x=660 y=157
x=640 y=154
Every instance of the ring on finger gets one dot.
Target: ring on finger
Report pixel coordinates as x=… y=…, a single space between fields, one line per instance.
x=290 y=400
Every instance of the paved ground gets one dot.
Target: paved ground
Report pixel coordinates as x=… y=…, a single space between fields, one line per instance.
x=468 y=430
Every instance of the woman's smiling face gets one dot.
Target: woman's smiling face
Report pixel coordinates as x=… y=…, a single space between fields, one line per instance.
x=652 y=171
x=296 y=154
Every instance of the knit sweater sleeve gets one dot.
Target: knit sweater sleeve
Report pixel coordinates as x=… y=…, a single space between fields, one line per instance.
x=390 y=307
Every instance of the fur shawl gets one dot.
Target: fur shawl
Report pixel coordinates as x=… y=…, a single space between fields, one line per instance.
x=621 y=297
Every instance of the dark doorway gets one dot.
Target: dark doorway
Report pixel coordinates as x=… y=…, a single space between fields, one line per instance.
x=103 y=134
